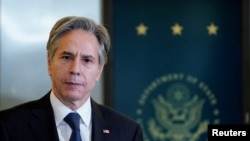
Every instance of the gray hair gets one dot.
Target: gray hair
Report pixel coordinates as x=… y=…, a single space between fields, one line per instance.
x=70 y=23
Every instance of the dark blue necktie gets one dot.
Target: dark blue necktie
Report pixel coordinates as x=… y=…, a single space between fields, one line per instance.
x=73 y=119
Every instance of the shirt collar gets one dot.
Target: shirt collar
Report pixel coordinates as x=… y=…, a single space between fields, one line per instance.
x=60 y=110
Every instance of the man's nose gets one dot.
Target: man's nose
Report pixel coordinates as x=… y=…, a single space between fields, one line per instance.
x=75 y=67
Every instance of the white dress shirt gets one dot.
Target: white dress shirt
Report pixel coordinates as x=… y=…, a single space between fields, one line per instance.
x=63 y=129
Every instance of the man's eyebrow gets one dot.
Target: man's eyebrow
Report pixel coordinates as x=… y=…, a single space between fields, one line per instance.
x=88 y=56
x=67 y=53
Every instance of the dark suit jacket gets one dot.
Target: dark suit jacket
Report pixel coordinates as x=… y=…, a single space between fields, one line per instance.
x=34 y=121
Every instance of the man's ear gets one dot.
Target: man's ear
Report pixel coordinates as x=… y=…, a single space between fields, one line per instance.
x=99 y=73
x=49 y=64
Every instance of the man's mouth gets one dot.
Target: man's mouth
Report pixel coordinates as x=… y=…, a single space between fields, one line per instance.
x=73 y=83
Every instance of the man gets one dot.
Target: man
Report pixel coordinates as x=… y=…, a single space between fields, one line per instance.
x=77 y=51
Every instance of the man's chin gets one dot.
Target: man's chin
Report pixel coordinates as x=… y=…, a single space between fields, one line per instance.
x=75 y=97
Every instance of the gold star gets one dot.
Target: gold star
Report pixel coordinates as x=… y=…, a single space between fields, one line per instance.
x=141 y=29
x=212 y=29
x=177 y=29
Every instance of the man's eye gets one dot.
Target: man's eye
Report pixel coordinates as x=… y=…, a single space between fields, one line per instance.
x=87 y=60
x=66 y=57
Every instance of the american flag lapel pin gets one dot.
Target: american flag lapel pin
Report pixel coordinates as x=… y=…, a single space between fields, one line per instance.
x=106 y=131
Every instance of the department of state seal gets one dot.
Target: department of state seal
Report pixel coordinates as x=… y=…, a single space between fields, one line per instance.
x=177 y=107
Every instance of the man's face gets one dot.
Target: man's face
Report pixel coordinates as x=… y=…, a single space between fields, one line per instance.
x=74 y=69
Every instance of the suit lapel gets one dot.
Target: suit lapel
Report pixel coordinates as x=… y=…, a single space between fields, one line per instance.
x=43 y=124
x=101 y=131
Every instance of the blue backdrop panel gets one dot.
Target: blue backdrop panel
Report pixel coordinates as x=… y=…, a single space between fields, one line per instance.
x=177 y=65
